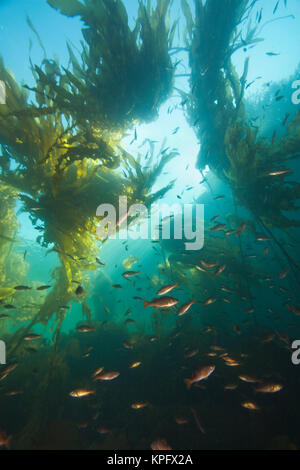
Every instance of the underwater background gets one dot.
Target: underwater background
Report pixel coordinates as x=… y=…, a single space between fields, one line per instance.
x=183 y=102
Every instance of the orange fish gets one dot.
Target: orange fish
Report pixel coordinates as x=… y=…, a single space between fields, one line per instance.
x=199 y=375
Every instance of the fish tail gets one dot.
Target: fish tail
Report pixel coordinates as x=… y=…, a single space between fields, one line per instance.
x=146 y=304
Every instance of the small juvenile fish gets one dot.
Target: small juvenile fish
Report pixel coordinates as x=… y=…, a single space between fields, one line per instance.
x=268 y=388
x=283 y=274
x=160 y=444
x=191 y=353
x=280 y=172
x=31 y=337
x=166 y=289
x=250 y=405
x=208 y=265
x=180 y=420
x=161 y=302
x=128 y=274
x=199 y=375
x=81 y=392
x=117 y=286
x=138 y=405
x=248 y=379
x=79 y=291
x=240 y=229
x=85 y=328
x=135 y=364
x=43 y=287
x=22 y=288
x=218 y=227
x=220 y=270
x=97 y=371
x=231 y=386
x=229 y=232
x=8 y=370
x=110 y=375
x=99 y=262
x=102 y=430
x=4 y=439
x=286 y=119
x=201 y=269
x=185 y=307
x=209 y=301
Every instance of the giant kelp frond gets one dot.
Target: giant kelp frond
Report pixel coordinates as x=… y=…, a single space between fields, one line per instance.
x=252 y=163
x=124 y=74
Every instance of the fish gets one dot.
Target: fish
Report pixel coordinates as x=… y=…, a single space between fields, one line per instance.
x=97 y=371
x=179 y=420
x=135 y=364
x=43 y=287
x=191 y=353
x=286 y=119
x=250 y=405
x=274 y=136
x=218 y=198
x=208 y=265
x=200 y=374
x=107 y=376
x=116 y=286
x=284 y=273
x=4 y=439
x=231 y=386
x=99 y=262
x=79 y=291
x=269 y=388
x=166 y=289
x=218 y=228
x=128 y=274
x=185 y=307
x=8 y=369
x=85 y=328
x=161 y=302
x=241 y=229
x=138 y=405
x=271 y=54
x=22 y=288
x=209 y=301
x=284 y=171
x=160 y=444
x=220 y=270
x=31 y=337
x=82 y=392
x=248 y=379
x=102 y=430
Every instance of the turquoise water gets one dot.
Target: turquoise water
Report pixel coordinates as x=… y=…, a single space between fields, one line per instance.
x=246 y=330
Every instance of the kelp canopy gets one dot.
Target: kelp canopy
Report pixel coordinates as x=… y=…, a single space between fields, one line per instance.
x=216 y=108
x=62 y=153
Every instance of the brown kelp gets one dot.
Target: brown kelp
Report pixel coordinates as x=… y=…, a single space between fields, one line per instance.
x=66 y=146
x=216 y=109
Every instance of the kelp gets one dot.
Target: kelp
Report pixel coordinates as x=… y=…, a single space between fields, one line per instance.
x=122 y=76
x=216 y=108
x=62 y=154
x=252 y=163
x=8 y=227
x=238 y=274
